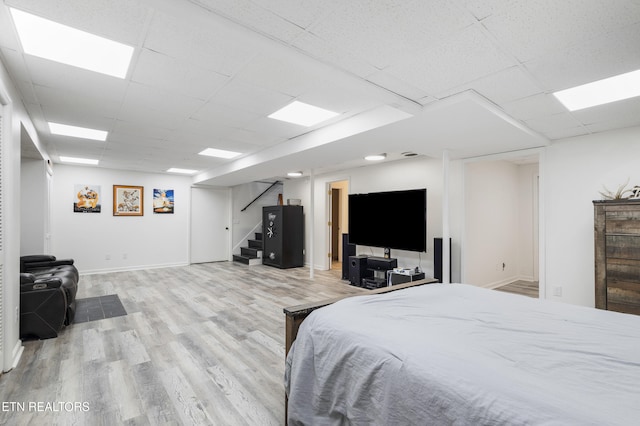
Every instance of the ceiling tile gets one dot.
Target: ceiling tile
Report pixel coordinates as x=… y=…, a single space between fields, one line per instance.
x=214 y=115
x=500 y=87
x=248 y=14
x=252 y=98
x=334 y=54
x=598 y=57
x=386 y=31
x=143 y=97
x=485 y=8
x=136 y=130
x=467 y=56
x=623 y=113
x=535 y=106
x=530 y=29
x=162 y=71
x=302 y=13
x=70 y=102
x=220 y=48
x=553 y=123
x=275 y=71
x=67 y=78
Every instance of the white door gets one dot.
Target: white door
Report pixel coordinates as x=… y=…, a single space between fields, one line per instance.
x=210 y=225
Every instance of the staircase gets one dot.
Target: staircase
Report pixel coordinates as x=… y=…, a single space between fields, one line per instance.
x=251 y=255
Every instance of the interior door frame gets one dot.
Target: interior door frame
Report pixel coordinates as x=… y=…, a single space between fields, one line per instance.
x=539 y=205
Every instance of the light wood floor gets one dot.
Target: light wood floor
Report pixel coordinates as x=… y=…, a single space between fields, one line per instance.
x=525 y=288
x=201 y=345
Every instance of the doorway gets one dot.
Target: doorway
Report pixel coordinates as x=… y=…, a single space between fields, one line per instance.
x=501 y=224
x=338 y=201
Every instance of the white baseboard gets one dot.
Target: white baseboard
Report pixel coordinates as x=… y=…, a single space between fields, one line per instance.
x=131 y=268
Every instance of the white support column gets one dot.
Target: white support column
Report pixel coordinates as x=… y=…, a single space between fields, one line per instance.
x=446 y=248
x=312 y=222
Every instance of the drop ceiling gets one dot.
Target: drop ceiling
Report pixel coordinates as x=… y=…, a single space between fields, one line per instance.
x=469 y=77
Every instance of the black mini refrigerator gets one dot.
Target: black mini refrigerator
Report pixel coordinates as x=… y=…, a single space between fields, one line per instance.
x=283 y=236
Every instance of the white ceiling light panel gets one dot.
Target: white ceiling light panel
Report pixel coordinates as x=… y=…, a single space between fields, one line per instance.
x=77 y=132
x=303 y=114
x=219 y=153
x=617 y=88
x=56 y=42
x=76 y=160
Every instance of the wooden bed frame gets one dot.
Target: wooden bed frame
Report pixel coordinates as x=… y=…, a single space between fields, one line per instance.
x=296 y=314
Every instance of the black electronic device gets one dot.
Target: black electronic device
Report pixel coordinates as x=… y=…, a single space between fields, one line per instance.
x=358 y=270
x=373 y=283
x=438 y=259
x=348 y=249
x=381 y=263
x=393 y=219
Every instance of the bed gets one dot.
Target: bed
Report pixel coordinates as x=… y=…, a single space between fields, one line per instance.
x=454 y=354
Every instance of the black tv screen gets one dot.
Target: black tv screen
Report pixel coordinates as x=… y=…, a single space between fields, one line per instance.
x=394 y=219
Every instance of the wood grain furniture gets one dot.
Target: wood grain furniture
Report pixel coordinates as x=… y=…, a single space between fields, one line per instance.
x=445 y=354
x=617 y=255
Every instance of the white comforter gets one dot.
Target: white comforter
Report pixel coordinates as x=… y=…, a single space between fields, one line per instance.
x=460 y=355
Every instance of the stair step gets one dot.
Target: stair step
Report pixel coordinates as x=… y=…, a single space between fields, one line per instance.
x=255 y=244
x=247 y=260
x=258 y=236
x=251 y=252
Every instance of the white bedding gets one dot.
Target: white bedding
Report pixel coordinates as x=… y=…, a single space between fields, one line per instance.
x=453 y=354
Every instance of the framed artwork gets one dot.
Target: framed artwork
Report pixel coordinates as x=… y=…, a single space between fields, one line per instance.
x=87 y=199
x=128 y=200
x=163 y=201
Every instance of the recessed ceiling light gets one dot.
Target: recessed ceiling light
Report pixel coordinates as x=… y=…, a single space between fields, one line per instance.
x=76 y=160
x=294 y=174
x=376 y=157
x=183 y=171
x=303 y=114
x=617 y=88
x=60 y=43
x=220 y=153
x=77 y=132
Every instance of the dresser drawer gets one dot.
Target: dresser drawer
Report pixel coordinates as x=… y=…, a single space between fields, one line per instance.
x=623 y=220
x=622 y=246
x=623 y=296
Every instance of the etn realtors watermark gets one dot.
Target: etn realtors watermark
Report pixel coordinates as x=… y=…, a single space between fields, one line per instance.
x=43 y=406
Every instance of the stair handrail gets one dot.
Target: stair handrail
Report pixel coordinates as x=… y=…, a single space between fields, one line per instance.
x=263 y=192
x=246 y=237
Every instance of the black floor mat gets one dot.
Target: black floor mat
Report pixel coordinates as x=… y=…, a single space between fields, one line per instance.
x=97 y=308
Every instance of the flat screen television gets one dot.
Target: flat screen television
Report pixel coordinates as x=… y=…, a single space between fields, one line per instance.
x=393 y=219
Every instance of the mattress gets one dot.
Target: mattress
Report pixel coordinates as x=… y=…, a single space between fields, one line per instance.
x=454 y=354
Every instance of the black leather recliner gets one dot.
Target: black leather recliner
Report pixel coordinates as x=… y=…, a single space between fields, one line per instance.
x=46 y=266
x=43 y=306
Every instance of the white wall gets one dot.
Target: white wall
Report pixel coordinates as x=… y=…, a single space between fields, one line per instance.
x=152 y=240
x=574 y=172
x=417 y=172
x=34 y=206
x=491 y=223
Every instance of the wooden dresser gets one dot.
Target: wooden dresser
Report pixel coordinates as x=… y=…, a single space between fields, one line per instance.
x=617 y=255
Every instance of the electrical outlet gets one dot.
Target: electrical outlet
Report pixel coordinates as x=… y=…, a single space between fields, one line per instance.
x=17 y=314
x=107 y=257
x=124 y=256
x=557 y=291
